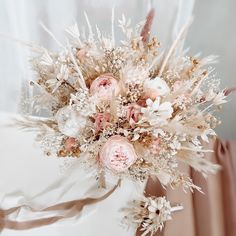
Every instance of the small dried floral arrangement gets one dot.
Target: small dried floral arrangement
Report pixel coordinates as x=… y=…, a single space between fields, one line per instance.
x=127 y=109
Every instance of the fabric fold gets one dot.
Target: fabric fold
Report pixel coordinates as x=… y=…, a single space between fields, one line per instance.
x=212 y=213
x=68 y=209
x=226 y=155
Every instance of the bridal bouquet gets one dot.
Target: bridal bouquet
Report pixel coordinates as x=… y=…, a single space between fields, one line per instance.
x=129 y=109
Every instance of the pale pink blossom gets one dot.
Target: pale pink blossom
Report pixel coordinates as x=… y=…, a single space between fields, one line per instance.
x=117 y=154
x=101 y=120
x=70 y=143
x=133 y=113
x=104 y=87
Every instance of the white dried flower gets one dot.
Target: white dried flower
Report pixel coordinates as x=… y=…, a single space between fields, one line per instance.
x=83 y=102
x=150 y=213
x=156 y=87
x=157 y=113
x=70 y=122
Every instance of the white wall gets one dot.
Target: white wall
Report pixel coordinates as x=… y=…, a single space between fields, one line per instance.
x=214 y=32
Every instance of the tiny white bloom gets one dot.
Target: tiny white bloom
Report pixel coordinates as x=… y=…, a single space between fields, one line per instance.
x=157 y=113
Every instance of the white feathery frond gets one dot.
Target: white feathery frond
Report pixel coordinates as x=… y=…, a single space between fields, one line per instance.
x=51 y=34
x=81 y=78
x=33 y=46
x=112 y=25
x=173 y=46
x=91 y=35
x=99 y=34
x=156 y=60
x=74 y=32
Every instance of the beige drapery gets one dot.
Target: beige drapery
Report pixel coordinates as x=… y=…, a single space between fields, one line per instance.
x=212 y=213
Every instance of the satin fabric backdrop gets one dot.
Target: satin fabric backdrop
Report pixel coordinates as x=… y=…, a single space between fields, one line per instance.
x=26 y=173
x=212 y=213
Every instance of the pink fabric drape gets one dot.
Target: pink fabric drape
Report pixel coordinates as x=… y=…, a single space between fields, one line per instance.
x=226 y=156
x=212 y=213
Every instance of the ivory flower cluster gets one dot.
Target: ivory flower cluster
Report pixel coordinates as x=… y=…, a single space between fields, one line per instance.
x=126 y=108
x=130 y=108
x=150 y=214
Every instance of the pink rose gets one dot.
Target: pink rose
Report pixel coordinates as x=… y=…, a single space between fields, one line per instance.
x=133 y=113
x=70 y=143
x=101 y=120
x=117 y=154
x=104 y=87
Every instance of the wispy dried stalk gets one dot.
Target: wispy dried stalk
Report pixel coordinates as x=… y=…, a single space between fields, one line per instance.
x=145 y=33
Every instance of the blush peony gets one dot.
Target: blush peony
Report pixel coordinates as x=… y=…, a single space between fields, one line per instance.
x=117 y=154
x=104 y=87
